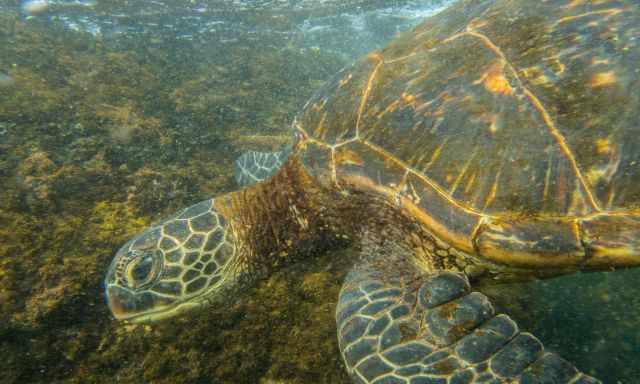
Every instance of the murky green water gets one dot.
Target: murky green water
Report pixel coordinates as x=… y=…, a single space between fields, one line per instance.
x=114 y=115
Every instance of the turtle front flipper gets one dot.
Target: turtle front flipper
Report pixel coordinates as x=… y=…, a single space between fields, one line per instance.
x=253 y=167
x=400 y=327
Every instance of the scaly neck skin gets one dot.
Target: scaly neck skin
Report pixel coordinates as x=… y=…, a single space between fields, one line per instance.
x=293 y=216
x=286 y=218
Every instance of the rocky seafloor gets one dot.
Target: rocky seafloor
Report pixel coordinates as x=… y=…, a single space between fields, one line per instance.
x=98 y=140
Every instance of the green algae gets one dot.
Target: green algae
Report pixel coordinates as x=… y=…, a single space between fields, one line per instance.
x=96 y=143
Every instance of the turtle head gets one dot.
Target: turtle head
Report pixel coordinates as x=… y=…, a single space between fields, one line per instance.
x=179 y=264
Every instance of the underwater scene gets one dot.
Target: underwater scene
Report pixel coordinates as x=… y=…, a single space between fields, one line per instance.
x=116 y=115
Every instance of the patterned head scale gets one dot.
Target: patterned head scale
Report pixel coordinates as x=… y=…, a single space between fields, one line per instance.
x=172 y=266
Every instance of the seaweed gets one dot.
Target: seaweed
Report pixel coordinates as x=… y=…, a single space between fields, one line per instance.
x=97 y=141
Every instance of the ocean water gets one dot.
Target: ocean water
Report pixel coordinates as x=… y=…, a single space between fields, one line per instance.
x=115 y=114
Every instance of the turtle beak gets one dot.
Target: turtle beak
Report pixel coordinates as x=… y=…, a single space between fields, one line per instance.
x=121 y=302
x=136 y=307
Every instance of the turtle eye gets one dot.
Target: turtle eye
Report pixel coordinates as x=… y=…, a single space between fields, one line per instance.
x=143 y=270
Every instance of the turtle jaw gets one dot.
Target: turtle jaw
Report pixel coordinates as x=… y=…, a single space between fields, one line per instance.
x=128 y=306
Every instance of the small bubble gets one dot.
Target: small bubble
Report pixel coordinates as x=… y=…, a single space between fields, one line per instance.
x=35 y=7
x=6 y=80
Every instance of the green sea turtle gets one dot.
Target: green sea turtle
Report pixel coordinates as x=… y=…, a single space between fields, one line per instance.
x=497 y=141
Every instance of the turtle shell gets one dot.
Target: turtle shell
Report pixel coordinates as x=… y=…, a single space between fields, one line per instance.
x=510 y=128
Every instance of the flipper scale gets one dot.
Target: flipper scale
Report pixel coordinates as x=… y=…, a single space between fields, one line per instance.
x=253 y=167
x=446 y=334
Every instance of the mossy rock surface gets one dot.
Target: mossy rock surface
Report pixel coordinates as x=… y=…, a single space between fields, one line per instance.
x=95 y=145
